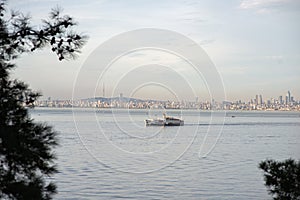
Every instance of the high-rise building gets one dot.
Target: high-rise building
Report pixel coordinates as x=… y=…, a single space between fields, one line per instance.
x=280 y=100
x=260 y=100
x=289 y=96
x=103 y=90
x=256 y=99
x=292 y=99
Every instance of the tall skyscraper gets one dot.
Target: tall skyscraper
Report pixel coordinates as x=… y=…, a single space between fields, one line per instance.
x=260 y=100
x=103 y=90
x=288 y=97
x=256 y=99
x=280 y=100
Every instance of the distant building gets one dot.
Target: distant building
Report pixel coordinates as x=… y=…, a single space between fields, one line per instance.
x=288 y=97
x=256 y=99
x=260 y=100
x=292 y=99
x=280 y=100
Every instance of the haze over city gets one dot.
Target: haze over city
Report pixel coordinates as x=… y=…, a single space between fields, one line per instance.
x=254 y=44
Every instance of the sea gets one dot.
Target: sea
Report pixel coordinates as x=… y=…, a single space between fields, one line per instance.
x=111 y=154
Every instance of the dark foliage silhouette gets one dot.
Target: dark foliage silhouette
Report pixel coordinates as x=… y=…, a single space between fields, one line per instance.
x=26 y=147
x=282 y=178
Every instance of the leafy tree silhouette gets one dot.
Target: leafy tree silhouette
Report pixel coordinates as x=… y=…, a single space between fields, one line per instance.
x=282 y=178
x=26 y=147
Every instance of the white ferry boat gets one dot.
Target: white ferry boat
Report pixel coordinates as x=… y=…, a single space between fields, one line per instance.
x=165 y=121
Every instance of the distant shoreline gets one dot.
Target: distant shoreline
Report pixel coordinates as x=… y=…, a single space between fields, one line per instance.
x=121 y=102
x=170 y=109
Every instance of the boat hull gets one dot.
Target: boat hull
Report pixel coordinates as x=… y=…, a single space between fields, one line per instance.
x=162 y=122
x=180 y=123
x=153 y=122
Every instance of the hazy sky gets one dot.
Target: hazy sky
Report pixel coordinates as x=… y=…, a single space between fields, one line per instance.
x=254 y=44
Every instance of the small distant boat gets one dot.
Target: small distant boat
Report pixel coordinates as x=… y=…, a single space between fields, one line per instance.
x=165 y=121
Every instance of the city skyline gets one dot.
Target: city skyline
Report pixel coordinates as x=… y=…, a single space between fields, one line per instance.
x=258 y=98
x=121 y=101
x=253 y=43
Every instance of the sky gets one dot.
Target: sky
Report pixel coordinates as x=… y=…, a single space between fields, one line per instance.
x=253 y=44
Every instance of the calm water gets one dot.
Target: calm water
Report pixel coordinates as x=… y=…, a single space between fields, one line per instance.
x=108 y=154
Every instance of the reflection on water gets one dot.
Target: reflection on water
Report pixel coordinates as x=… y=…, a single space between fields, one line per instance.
x=100 y=162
